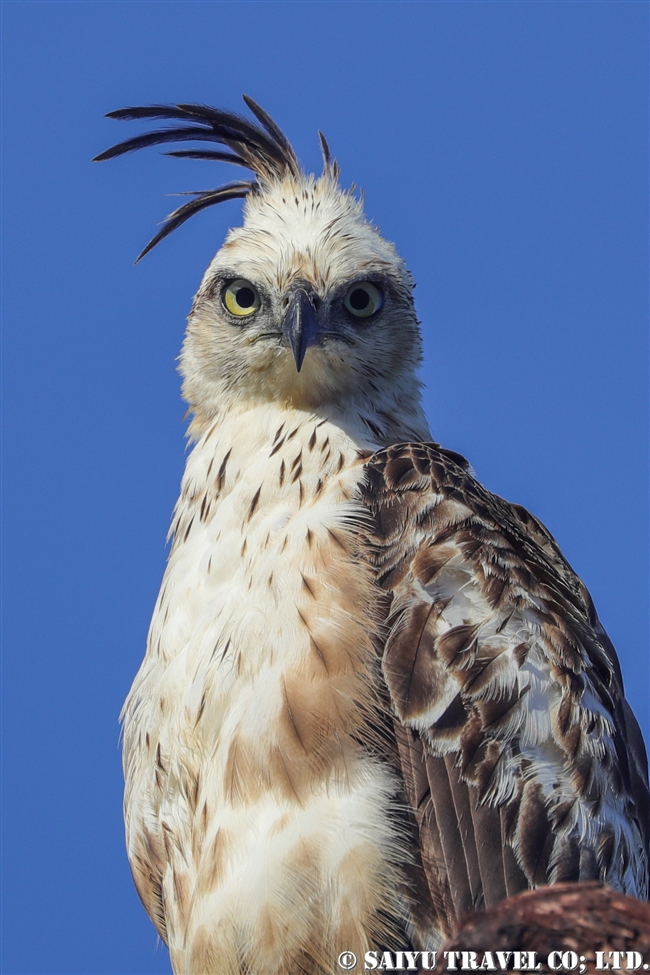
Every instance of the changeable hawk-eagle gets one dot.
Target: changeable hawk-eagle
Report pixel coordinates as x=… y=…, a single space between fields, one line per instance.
x=375 y=695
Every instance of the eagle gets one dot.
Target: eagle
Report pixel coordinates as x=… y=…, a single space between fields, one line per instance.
x=375 y=696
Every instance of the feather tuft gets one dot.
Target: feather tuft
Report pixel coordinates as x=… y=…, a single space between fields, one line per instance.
x=231 y=191
x=260 y=146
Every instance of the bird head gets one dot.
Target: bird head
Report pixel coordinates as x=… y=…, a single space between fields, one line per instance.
x=306 y=304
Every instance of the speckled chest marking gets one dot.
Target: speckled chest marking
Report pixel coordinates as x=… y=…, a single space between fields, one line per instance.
x=256 y=688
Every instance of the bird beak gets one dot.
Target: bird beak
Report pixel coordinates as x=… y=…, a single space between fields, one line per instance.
x=300 y=326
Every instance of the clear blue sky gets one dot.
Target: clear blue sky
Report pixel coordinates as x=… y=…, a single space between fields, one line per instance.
x=501 y=145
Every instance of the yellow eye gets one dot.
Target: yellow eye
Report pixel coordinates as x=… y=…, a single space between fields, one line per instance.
x=363 y=299
x=241 y=298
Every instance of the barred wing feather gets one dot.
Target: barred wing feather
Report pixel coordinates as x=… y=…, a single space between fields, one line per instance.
x=522 y=763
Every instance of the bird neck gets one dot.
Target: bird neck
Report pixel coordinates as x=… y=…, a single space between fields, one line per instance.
x=395 y=417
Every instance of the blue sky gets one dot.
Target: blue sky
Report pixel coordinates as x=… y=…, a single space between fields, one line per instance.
x=501 y=145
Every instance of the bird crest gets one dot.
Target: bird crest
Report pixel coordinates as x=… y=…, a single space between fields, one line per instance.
x=258 y=146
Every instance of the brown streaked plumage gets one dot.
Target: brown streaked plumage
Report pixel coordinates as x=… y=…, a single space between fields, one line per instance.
x=374 y=696
x=486 y=614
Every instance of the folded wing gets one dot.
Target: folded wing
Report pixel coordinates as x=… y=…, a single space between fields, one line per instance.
x=522 y=763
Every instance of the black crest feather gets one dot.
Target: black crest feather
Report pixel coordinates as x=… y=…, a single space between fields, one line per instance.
x=263 y=148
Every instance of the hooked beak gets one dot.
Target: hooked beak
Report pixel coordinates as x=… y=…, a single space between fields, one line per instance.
x=300 y=326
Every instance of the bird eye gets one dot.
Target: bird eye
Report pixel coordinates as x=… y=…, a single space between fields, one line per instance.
x=363 y=299
x=241 y=298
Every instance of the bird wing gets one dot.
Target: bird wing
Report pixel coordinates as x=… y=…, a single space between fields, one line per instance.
x=522 y=763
